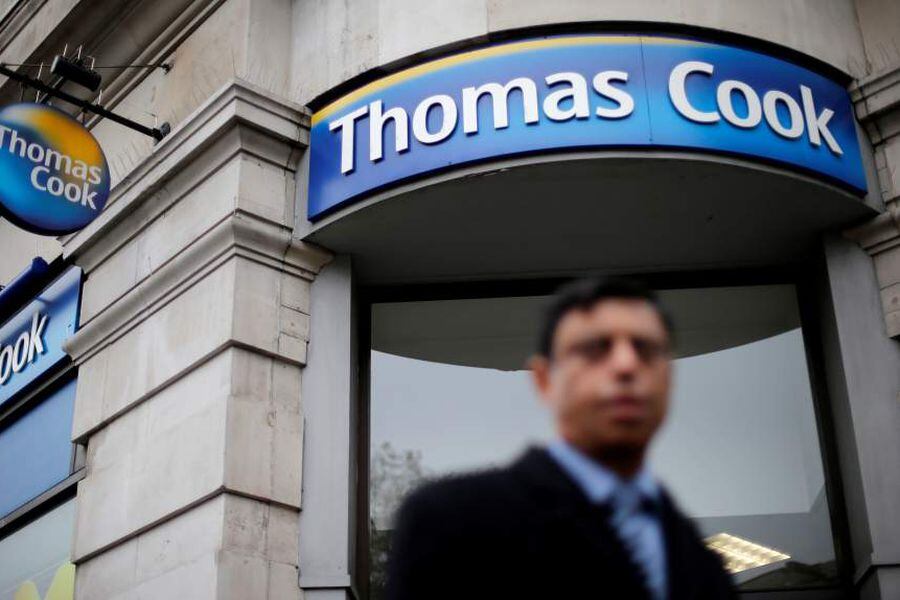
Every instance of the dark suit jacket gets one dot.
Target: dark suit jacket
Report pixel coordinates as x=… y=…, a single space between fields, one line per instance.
x=528 y=531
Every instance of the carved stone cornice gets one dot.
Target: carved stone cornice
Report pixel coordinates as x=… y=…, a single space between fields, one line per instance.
x=877 y=103
x=239 y=119
x=239 y=234
x=876 y=95
x=880 y=234
x=231 y=121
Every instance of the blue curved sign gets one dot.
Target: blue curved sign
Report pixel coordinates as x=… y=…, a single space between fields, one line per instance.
x=31 y=341
x=54 y=177
x=580 y=91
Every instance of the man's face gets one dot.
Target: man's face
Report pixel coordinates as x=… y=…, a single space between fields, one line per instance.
x=607 y=379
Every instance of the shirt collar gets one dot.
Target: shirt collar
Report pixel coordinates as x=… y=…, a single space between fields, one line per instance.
x=597 y=481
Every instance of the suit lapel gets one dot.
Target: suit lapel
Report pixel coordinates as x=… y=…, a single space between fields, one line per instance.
x=566 y=513
x=680 y=559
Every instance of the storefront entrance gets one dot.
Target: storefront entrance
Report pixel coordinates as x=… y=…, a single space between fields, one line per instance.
x=449 y=239
x=448 y=391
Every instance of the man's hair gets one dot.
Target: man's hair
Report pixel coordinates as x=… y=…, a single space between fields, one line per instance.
x=583 y=294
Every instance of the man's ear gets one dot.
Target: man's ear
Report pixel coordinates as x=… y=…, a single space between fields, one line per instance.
x=540 y=375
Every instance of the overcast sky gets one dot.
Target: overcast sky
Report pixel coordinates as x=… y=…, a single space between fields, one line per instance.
x=741 y=437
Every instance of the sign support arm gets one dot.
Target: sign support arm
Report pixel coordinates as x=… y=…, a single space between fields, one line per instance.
x=156 y=133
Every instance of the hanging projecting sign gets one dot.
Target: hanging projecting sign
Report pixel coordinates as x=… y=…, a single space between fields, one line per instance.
x=53 y=176
x=586 y=91
x=31 y=340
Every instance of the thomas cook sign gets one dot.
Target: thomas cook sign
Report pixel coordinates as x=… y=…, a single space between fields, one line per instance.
x=53 y=176
x=585 y=91
x=31 y=341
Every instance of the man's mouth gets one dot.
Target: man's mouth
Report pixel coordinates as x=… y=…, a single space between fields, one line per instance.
x=626 y=407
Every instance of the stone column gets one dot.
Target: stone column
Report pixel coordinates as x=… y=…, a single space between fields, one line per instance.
x=877 y=101
x=195 y=323
x=867 y=413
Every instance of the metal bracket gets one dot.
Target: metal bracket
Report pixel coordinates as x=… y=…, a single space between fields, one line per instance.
x=157 y=133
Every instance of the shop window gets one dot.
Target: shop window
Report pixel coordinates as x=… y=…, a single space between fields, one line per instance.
x=39 y=469
x=34 y=560
x=36 y=448
x=740 y=450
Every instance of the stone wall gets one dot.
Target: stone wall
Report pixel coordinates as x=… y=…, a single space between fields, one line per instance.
x=194 y=332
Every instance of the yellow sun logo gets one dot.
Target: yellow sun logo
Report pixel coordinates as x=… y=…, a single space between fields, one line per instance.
x=61 y=588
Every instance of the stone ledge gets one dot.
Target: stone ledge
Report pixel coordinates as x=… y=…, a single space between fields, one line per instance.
x=187 y=508
x=81 y=435
x=237 y=104
x=876 y=94
x=234 y=425
x=238 y=234
x=880 y=234
x=880 y=238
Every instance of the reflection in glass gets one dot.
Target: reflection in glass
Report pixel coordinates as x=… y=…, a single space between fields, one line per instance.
x=739 y=451
x=34 y=561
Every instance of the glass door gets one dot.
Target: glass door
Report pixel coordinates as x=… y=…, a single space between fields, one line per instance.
x=739 y=451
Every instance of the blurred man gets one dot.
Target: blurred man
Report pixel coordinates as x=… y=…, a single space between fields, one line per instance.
x=583 y=517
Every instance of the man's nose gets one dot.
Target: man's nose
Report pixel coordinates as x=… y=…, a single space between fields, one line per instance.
x=624 y=358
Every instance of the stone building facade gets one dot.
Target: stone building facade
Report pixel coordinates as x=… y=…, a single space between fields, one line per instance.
x=219 y=372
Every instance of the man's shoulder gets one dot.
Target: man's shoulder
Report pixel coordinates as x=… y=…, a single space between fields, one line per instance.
x=463 y=493
x=531 y=475
x=458 y=532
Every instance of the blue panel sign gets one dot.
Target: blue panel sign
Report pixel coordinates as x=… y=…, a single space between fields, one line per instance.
x=580 y=91
x=36 y=449
x=31 y=341
x=53 y=175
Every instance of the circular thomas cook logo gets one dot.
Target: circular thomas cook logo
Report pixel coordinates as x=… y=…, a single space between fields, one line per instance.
x=53 y=176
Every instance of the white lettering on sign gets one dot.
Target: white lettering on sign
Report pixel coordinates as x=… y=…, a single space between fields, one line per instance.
x=500 y=103
x=567 y=98
x=563 y=87
x=603 y=87
x=347 y=126
x=42 y=180
x=806 y=118
x=576 y=91
x=447 y=108
x=27 y=347
x=47 y=159
x=376 y=137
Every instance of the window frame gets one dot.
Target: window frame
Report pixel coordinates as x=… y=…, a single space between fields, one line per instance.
x=800 y=276
x=62 y=491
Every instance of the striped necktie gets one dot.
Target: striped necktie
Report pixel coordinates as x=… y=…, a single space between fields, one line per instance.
x=633 y=519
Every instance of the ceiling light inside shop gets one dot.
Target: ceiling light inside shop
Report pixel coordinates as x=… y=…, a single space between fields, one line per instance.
x=740 y=554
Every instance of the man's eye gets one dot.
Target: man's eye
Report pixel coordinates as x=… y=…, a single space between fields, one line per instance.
x=595 y=348
x=647 y=349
